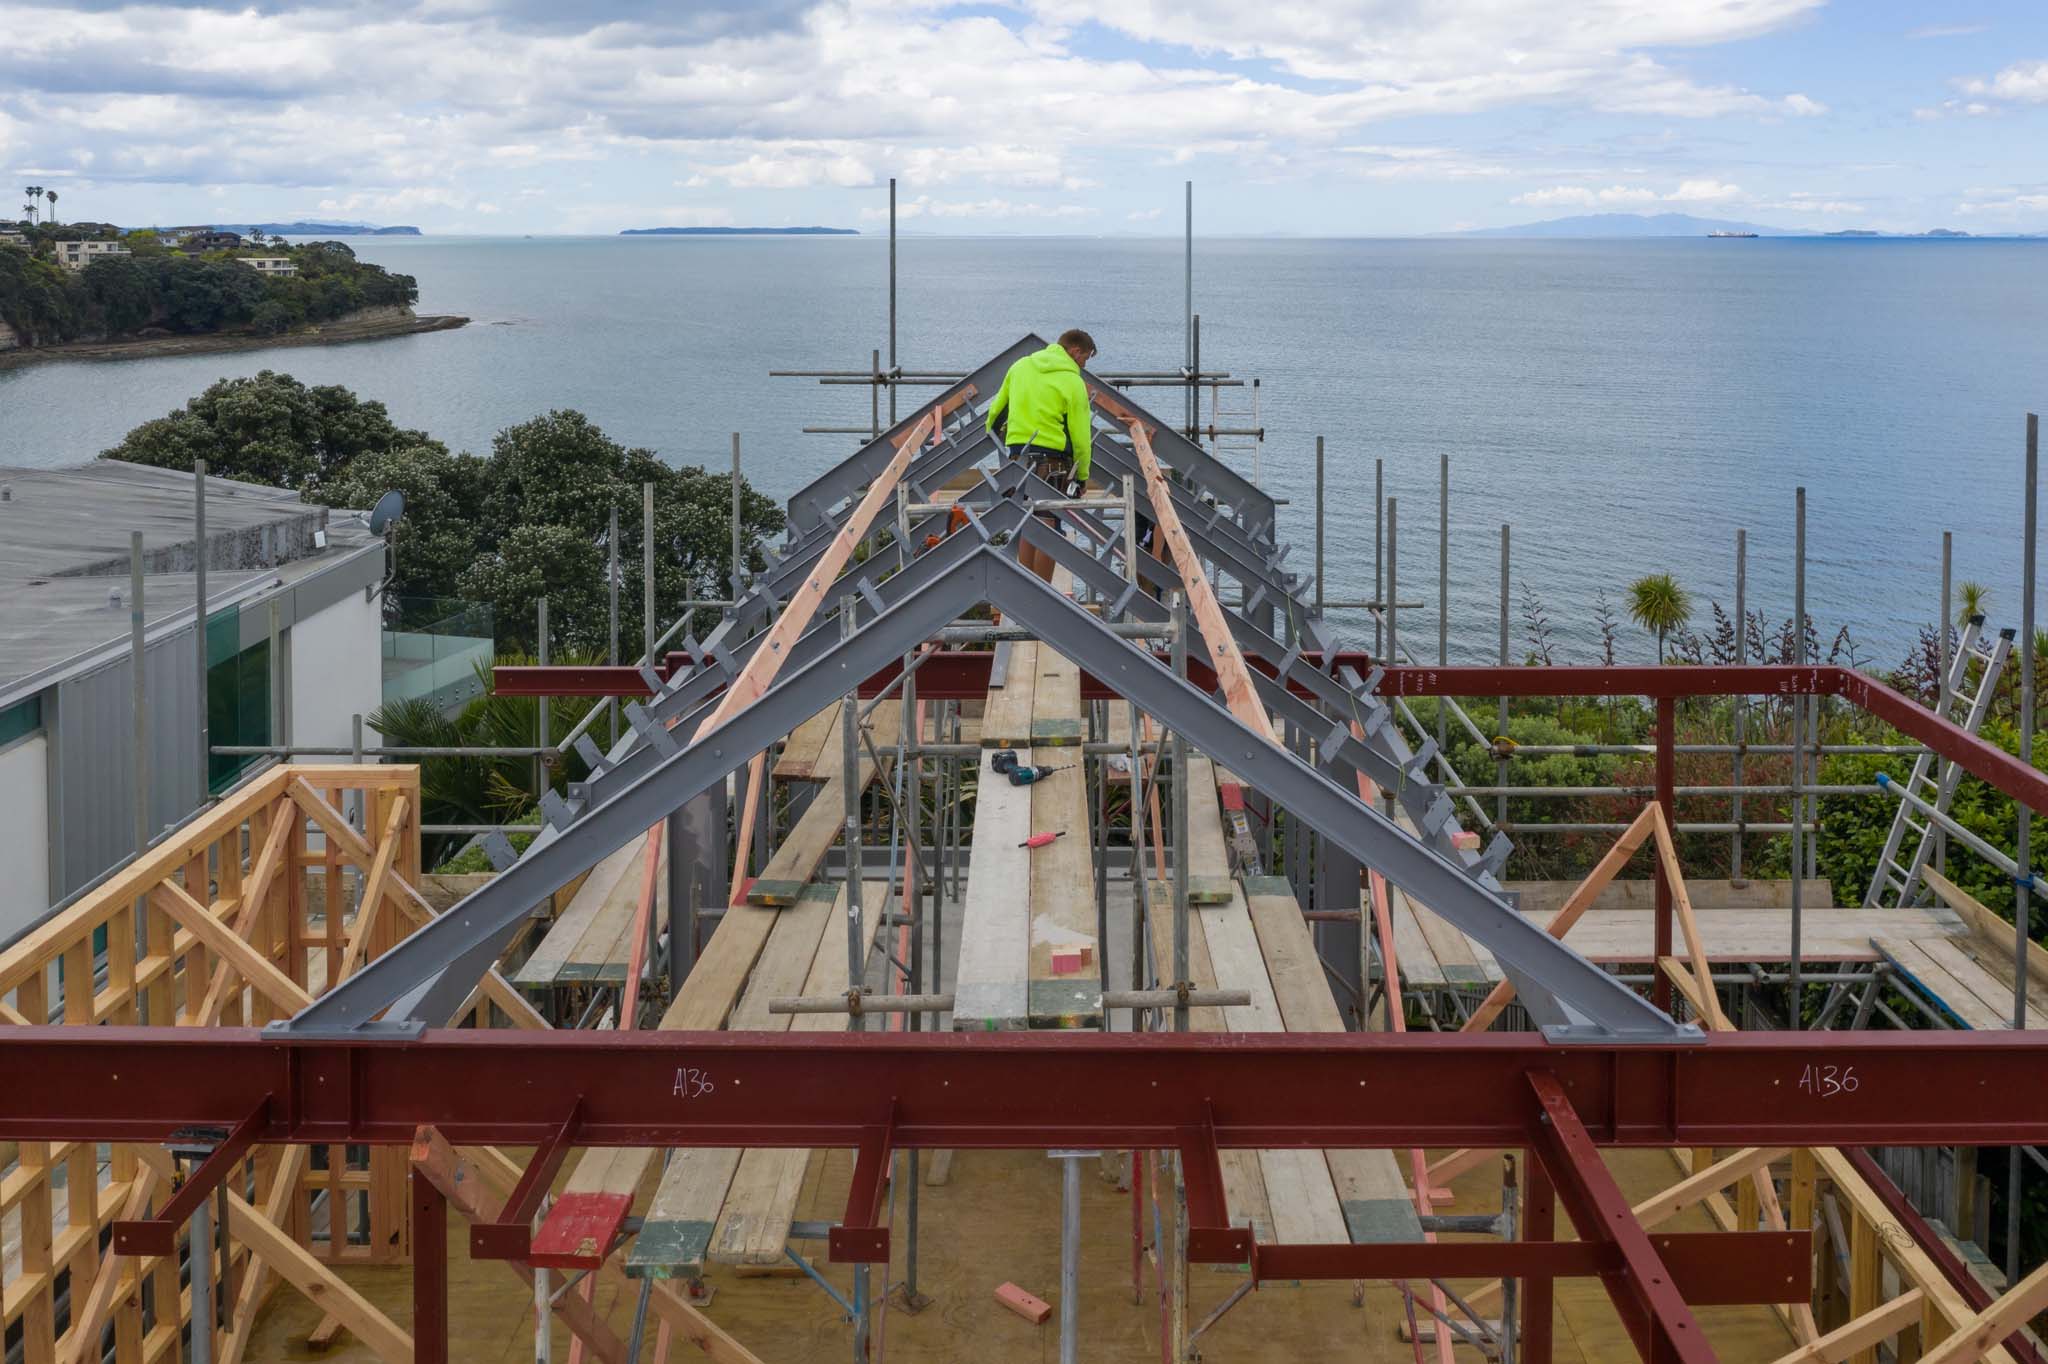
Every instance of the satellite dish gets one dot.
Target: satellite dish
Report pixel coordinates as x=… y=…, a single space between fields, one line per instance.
x=389 y=508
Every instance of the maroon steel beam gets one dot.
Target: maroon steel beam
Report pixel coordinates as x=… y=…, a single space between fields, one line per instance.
x=429 y=1271
x=1211 y=1238
x=1714 y=1268
x=158 y=1235
x=1643 y=1289
x=1023 y=1090
x=963 y=675
x=510 y=1237
x=860 y=1237
x=1978 y=758
x=1539 y=1298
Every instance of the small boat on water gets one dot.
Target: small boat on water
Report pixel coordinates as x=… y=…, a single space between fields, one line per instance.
x=1719 y=233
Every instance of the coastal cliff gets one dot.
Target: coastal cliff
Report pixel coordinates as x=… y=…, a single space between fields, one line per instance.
x=364 y=324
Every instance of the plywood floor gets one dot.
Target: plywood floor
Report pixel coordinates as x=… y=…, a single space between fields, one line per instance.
x=997 y=1220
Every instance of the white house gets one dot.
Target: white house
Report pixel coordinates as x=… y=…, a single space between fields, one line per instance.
x=68 y=769
x=280 y=266
x=78 y=255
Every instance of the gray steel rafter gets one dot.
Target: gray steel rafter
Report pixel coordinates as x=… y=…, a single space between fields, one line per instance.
x=426 y=976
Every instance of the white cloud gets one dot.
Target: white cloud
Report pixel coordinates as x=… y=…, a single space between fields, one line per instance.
x=1144 y=215
x=816 y=95
x=1621 y=196
x=1582 y=196
x=2005 y=204
x=1703 y=192
x=1954 y=108
x=2023 y=82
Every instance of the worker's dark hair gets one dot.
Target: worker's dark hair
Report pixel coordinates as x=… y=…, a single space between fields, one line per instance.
x=1077 y=339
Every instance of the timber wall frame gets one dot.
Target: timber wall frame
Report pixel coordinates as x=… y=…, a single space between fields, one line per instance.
x=234 y=932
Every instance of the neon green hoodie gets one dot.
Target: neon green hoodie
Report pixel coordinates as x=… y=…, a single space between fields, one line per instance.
x=1044 y=402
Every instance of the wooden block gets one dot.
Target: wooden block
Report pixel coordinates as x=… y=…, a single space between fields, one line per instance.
x=775 y=893
x=579 y=1230
x=1211 y=889
x=1033 y=1309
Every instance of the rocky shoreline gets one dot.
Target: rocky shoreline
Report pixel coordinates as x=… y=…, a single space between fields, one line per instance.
x=338 y=332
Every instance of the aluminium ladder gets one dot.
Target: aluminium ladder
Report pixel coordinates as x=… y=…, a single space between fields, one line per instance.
x=1898 y=884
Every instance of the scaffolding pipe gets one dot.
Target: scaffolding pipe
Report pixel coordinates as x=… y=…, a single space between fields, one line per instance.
x=199 y=624
x=2024 y=862
x=1741 y=702
x=1794 y=1011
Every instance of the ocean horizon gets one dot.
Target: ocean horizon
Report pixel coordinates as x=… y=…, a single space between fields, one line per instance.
x=1624 y=405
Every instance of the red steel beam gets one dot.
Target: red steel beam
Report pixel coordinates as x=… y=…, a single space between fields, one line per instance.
x=158 y=1235
x=1709 y=1269
x=1024 y=1090
x=963 y=675
x=509 y=1236
x=1644 y=1289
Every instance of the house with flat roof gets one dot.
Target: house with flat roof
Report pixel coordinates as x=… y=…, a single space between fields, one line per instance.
x=78 y=255
x=279 y=266
x=292 y=640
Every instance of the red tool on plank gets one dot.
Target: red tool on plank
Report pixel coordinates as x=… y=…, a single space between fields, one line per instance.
x=1040 y=840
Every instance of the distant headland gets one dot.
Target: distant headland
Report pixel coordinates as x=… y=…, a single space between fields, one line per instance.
x=306 y=229
x=739 y=232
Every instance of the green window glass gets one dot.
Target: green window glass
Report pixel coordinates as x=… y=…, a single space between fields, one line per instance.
x=237 y=696
x=22 y=718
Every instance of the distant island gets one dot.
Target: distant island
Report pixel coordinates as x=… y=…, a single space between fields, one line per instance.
x=739 y=232
x=1682 y=225
x=306 y=229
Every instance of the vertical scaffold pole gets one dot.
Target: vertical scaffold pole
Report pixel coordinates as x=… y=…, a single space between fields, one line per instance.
x=199 y=625
x=1500 y=717
x=139 y=699
x=739 y=560
x=1798 y=749
x=2023 y=880
x=856 y=957
x=1443 y=596
x=1319 y=526
x=1741 y=702
x=612 y=593
x=1388 y=608
x=1379 y=595
x=1070 y=1254
x=892 y=303
x=1180 y=818
x=540 y=649
x=1948 y=544
x=1188 y=299
x=648 y=634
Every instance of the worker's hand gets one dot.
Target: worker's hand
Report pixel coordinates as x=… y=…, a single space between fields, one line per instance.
x=1075 y=487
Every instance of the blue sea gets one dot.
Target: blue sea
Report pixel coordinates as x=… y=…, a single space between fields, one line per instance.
x=1625 y=406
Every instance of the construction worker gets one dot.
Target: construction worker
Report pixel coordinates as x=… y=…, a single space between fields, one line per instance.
x=1041 y=413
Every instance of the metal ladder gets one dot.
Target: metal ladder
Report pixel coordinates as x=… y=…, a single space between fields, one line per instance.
x=1245 y=418
x=1897 y=884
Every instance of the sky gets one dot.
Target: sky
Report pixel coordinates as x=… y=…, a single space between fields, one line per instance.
x=1306 y=117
